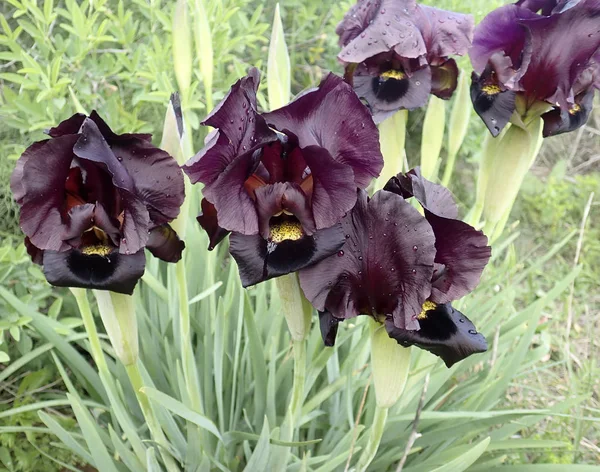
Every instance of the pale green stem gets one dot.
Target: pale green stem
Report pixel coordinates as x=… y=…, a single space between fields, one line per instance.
x=299 y=349
x=449 y=169
x=392 y=137
x=135 y=377
x=377 y=428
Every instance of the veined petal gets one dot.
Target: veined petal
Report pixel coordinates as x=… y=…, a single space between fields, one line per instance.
x=493 y=105
x=165 y=244
x=239 y=129
x=208 y=221
x=115 y=272
x=559 y=121
x=385 y=267
x=445 y=332
x=445 y=33
x=444 y=79
x=259 y=260
x=333 y=117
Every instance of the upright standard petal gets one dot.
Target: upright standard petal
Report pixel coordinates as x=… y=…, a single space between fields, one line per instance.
x=445 y=332
x=333 y=118
x=385 y=267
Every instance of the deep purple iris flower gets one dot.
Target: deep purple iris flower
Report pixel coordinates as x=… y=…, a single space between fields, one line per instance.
x=280 y=182
x=522 y=57
x=92 y=200
x=404 y=269
x=397 y=52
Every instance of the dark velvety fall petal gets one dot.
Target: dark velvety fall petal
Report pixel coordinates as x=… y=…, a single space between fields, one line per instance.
x=115 y=272
x=239 y=129
x=385 y=95
x=333 y=117
x=445 y=33
x=494 y=106
x=165 y=244
x=558 y=61
x=259 y=260
x=69 y=126
x=444 y=79
x=275 y=198
x=500 y=34
x=36 y=254
x=558 y=121
x=461 y=256
x=235 y=208
x=329 y=328
x=208 y=221
x=371 y=28
x=433 y=197
x=385 y=267
x=445 y=332
x=42 y=177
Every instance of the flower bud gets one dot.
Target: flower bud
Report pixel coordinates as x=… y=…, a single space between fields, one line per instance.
x=182 y=47
x=118 y=315
x=433 y=136
x=204 y=46
x=390 y=364
x=296 y=308
x=392 y=137
x=278 y=67
x=459 y=117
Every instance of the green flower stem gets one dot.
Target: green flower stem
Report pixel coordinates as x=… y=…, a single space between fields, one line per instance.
x=392 y=137
x=377 y=428
x=449 y=169
x=135 y=377
x=299 y=350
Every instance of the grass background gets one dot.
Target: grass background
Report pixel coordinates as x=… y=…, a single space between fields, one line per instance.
x=115 y=56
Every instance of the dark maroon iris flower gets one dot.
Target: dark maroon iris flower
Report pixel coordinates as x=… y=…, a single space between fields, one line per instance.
x=397 y=52
x=404 y=269
x=92 y=200
x=280 y=182
x=522 y=57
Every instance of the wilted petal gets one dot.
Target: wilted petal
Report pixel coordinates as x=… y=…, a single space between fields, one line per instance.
x=374 y=27
x=329 y=327
x=333 y=117
x=385 y=267
x=44 y=170
x=387 y=94
x=165 y=244
x=208 y=221
x=564 y=45
x=445 y=33
x=445 y=332
x=558 y=121
x=259 y=260
x=444 y=79
x=115 y=272
x=493 y=105
x=240 y=129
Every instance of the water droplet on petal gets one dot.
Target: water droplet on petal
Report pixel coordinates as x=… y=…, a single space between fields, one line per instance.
x=415 y=248
x=414 y=271
x=340 y=253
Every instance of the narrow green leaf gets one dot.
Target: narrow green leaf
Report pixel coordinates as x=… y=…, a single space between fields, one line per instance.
x=465 y=460
x=278 y=68
x=260 y=456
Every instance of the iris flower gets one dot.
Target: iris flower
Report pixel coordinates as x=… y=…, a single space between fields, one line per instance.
x=397 y=52
x=404 y=269
x=549 y=61
x=280 y=182
x=92 y=200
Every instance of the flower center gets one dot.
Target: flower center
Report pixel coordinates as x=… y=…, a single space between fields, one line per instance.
x=286 y=231
x=393 y=74
x=428 y=305
x=574 y=110
x=491 y=89
x=102 y=250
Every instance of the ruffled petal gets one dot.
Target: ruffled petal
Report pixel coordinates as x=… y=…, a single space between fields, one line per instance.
x=385 y=95
x=329 y=328
x=165 y=244
x=333 y=117
x=69 y=126
x=564 y=45
x=444 y=79
x=115 y=272
x=259 y=260
x=39 y=182
x=494 y=106
x=445 y=332
x=208 y=221
x=559 y=121
x=385 y=267
x=239 y=129
x=374 y=27
x=445 y=33
x=433 y=197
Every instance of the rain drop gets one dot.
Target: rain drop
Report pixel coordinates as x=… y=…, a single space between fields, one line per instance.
x=383 y=11
x=340 y=253
x=417 y=83
x=461 y=320
x=347 y=236
x=414 y=271
x=393 y=270
x=360 y=258
x=415 y=248
x=119 y=158
x=362 y=35
x=472 y=331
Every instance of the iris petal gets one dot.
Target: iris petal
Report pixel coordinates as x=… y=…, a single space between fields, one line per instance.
x=165 y=244
x=208 y=221
x=444 y=79
x=259 y=260
x=329 y=327
x=445 y=332
x=115 y=272
x=333 y=117
x=494 y=106
x=559 y=121
x=385 y=267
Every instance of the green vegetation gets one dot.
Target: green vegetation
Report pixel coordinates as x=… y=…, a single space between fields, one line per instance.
x=537 y=305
